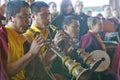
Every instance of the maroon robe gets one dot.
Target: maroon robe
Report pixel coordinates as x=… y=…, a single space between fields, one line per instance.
x=3 y=54
x=89 y=43
x=116 y=62
x=2 y=20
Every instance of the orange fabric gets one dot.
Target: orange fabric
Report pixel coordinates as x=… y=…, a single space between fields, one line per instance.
x=108 y=26
x=100 y=41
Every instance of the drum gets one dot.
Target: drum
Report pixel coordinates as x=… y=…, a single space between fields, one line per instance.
x=98 y=60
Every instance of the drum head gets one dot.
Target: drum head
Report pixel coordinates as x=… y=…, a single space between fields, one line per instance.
x=94 y=58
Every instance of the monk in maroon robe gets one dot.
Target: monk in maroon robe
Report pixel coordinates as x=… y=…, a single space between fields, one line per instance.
x=3 y=54
x=92 y=41
x=89 y=42
x=116 y=62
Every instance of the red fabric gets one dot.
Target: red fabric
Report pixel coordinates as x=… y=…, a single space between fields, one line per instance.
x=116 y=62
x=3 y=54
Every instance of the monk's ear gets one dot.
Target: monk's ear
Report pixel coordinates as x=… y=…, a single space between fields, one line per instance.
x=32 y=16
x=65 y=27
x=10 y=18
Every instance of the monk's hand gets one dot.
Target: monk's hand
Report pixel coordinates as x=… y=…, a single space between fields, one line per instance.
x=37 y=44
x=60 y=36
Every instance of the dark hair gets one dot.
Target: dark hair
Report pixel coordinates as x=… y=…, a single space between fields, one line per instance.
x=51 y=3
x=13 y=7
x=63 y=5
x=99 y=15
x=105 y=6
x=89 y=11
x=68 y=19
x=92 y=21
x=36 y=6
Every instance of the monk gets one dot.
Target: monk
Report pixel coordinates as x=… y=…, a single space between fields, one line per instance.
x=3 y=54
x=115 y=63
x=92 y=41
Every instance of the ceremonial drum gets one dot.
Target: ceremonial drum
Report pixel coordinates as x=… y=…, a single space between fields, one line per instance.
x=101 y=58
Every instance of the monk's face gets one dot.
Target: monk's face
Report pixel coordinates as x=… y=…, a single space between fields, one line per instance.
x=98 y=26
x=21 y=20
x=41 y=19
x=72 y=29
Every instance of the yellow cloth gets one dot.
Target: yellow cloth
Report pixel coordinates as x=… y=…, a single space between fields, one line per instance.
x=16 y=50
x=43 y=34
x=42 y=72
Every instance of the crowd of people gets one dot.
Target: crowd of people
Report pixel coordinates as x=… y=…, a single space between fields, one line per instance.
x=28 y=30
